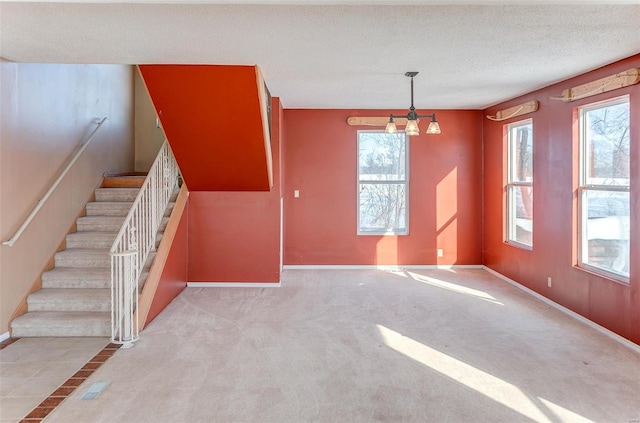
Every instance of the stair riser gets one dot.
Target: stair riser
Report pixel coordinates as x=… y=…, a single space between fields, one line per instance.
x=116 y=195
x=104 y=244
x=75 y=283
x=118 y=211
x=75 y=261
x=104 y=209
x=68 y=305
x=123 y=181
x=102 y=330
x=92 y=242
x=98 y=226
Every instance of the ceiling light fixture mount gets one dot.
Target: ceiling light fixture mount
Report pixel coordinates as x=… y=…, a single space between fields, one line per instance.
x=412 y=118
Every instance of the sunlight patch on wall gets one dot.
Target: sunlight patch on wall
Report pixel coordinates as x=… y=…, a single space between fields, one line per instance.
x=446 y=214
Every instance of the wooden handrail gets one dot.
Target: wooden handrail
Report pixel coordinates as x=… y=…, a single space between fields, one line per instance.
x=41 y=202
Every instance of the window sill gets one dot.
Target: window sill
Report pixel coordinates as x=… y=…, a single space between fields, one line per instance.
x=519 y=245
x=382 y=233
x=608 y=276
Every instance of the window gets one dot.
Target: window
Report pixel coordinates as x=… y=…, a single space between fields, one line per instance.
x=382 y=183
x=603 y=194
x=520 y=184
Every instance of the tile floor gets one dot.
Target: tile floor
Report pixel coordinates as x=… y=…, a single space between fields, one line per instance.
x=37 y=374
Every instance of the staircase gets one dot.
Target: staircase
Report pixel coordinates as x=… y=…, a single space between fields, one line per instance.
x=75 y=299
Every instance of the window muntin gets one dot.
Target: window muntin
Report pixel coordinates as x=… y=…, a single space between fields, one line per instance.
x=383 y=183
x=604 y=207
x=520 y=184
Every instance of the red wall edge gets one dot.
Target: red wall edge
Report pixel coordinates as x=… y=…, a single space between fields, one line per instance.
x=211 y=115
x=174 y=275
x=445 y=187
x=235 y=236
x=609 y=303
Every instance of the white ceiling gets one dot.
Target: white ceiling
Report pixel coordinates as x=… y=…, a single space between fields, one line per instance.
x=340 y=54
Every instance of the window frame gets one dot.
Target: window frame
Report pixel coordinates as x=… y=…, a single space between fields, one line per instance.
x=584 y=188
x=510 y=223
x=405 y=182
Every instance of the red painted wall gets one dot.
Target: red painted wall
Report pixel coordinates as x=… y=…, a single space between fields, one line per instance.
x=211 y=115
x=445 y=195
x=611 y=304
x=235 y=236
x=174 y=275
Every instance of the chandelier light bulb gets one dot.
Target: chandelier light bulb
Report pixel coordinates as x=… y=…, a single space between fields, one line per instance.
x=434 y=127
x=391 y=127
x=412 y=128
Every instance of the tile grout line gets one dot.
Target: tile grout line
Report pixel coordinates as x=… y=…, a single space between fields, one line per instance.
x=58 y=396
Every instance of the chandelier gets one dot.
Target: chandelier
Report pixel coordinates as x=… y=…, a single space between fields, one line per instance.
x=412 y=118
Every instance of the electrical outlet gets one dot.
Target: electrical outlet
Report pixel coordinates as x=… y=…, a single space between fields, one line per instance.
x=440 y=252
x=296 y=193
x=549 y=281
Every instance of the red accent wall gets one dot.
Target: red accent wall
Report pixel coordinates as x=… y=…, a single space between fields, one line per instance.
x=609 y=303
x=235 y=236
x=445 y=192
x=174 y=275
x=211 y=115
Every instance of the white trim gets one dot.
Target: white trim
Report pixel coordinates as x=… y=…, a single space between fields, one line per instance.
x=5 y=336
x=631 y=345
x=281 y=233
x=233 y=284
x=379 y=266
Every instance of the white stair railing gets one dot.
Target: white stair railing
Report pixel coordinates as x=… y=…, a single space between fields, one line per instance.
x=136 y=239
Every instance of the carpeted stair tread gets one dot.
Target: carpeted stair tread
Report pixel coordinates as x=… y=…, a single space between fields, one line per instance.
x=62 y=323
x=99 y=223
x=116 y=194
x=83 y=257
x=91 y=239
x=76 y=277
x=108 y=208
x=66 y=299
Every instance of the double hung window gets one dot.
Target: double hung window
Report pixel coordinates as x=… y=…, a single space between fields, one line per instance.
x=520 y=184
x=603 y=194
x=383 y=183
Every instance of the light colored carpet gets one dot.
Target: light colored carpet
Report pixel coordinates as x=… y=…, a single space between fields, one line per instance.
x=357 y=346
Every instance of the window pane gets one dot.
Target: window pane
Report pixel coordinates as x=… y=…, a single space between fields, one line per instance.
x=606 y=231
x=521 y=140
x=606 y=131
x=381 y=156
x=382 y=208
x=521 y=214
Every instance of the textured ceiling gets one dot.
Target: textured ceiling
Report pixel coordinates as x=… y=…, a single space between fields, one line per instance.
x=349 y=55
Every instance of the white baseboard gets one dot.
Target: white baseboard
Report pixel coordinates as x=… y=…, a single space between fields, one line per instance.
x=233 y=284
x=5 y=336
x=633 y=346
x=379 y=266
